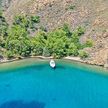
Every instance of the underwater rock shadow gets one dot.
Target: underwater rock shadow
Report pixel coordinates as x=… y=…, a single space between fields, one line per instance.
x=21 y=104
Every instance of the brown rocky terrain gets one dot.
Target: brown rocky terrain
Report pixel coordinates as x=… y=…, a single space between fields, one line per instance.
x=92 y=14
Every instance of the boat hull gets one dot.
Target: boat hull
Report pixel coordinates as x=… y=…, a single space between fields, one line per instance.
x=52 y=64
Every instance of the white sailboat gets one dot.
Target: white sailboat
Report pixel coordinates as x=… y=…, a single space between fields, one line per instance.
x=52 y=63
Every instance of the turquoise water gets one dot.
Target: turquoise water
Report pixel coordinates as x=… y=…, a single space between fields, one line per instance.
x=38 y=86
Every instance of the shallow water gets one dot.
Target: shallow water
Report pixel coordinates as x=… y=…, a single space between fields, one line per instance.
x=35 y=85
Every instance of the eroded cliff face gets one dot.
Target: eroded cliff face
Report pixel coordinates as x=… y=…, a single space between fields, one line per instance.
x=92 y=14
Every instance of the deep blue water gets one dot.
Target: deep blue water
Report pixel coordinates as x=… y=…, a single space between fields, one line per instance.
x=39 y=86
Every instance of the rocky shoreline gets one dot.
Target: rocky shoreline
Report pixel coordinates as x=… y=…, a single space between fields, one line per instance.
x=77 y=59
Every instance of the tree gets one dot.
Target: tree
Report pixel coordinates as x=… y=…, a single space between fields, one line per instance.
x=3 y=27
x=46 y=52
x=18 y=41
x=21 y=20
x=27 y=22
x=67 y=30
x=1 y=13
x=72 y=50
x=56 y=43
x=38 y=43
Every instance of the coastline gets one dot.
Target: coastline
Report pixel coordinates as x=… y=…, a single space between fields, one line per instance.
x=73 y=62
x=5 y=60
x=76 y=59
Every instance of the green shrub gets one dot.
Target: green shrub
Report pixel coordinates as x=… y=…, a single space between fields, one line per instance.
x=27 y=22
x=35 y=19
x=72 y=50
x=89 y=43
x=46 y=52
x=3 y=27
x=80 y=31
x=21 y=20
x=71 y=7
x=9 y=54
x=1 y=13
x=43 y=28
x=83 y=54
x=67 y=30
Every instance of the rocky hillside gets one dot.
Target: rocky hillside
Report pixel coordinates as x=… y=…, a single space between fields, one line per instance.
x=92 y=14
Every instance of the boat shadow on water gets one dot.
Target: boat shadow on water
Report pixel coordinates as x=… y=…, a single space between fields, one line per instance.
x=21 y=104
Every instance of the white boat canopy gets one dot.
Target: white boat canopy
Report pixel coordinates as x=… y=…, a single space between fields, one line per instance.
x=52 y=63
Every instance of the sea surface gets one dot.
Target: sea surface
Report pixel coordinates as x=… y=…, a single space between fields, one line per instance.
x=33 y=83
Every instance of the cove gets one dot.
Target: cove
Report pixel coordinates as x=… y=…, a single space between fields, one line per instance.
x=31 y=83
